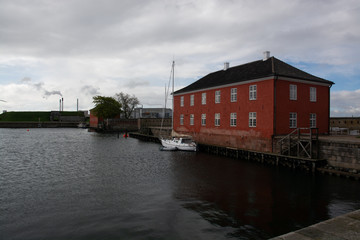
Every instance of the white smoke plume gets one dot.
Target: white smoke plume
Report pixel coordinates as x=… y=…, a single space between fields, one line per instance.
x=40 y=87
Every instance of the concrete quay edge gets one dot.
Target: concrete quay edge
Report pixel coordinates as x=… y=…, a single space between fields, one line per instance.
x=346 y=226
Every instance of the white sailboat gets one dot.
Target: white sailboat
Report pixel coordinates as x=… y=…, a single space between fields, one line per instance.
x=184 y=143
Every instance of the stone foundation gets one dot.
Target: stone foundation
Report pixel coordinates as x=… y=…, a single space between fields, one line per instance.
x=341 y=154
x=234 y=139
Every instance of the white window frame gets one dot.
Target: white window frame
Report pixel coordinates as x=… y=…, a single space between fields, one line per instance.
x=217 y=119
x=233 y=95
x=293 y=120
x=191 y=119
x=293 y=91
x=203 y=98
x=192 y=97
x=181 y=101
x=312 y=120
x=252 y=119
x=233 y=119
x=203 y=119
x=181 y=119
x=252 y=92
x=217 y=96
x=312 y=94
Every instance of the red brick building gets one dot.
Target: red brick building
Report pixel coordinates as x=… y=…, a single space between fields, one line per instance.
x=94 y=120
x=247 y=105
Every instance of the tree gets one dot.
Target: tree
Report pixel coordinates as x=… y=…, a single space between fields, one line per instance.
x=127 y=102
x=106 y=107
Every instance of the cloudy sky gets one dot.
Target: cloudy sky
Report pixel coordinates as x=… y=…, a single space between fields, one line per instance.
x=77 y=49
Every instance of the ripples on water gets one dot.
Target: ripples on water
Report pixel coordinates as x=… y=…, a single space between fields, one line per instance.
x=72 y=184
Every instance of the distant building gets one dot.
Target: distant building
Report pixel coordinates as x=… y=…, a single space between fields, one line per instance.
x=246 y=106
x=94 y=120
x=151 y=116
x=152 y=113
x=71 y=116
x=345 y=125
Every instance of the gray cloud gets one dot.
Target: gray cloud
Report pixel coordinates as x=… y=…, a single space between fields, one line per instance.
x=26 y=80
x=93 y=28
x=136 y=83
x=38 y=86
x=107 y=42
x=90 y=90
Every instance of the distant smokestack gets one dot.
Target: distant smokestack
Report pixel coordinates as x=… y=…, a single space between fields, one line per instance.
x=77 y=104
x=226 y=66
x=266 y=55
x=62 y=107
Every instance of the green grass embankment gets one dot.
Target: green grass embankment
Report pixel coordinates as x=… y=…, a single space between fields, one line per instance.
x=33 y=116
x=25 y=116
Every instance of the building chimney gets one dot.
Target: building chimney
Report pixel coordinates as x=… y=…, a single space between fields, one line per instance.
x=226 y=66
x=266 y=55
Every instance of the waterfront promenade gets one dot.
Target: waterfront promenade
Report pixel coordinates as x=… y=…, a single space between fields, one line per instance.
x=343 y=227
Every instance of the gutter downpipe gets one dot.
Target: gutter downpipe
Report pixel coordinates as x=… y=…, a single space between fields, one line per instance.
x=329 y=112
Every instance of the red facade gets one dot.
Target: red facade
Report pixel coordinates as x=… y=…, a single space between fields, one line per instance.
x=94 y=120
x=258 y=119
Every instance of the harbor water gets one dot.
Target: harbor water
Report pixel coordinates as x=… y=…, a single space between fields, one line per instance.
x=75 y=184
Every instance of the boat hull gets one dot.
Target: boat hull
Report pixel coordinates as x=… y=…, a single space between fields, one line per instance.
x=170 y=143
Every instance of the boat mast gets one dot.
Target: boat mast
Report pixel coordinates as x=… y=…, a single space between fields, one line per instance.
x=173 y=76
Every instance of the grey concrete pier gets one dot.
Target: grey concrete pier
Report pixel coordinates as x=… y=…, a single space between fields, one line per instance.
x=343 y=227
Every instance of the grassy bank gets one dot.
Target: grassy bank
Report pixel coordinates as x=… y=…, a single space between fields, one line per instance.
x=32 y=116
x=25 y=116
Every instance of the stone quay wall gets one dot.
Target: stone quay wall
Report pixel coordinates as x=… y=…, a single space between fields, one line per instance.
x=340 y=154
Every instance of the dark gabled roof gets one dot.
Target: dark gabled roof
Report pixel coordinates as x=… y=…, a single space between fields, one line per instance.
x=251 y=71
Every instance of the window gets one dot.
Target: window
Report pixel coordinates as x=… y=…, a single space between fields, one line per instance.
x=203 y=119
x=233 y=119
x=181 y=119
x=312 y=120
x=217 y=119
x=293 y=120
x=191 y=119
x=217 y=96
x=233 y=95
x=252 y=92
x=181 y=101
x=252 y=119
x=192 y=100
x=312 y=94
x=203 y=98
x=293 y=92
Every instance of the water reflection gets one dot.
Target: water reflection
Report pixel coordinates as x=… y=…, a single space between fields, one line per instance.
x=256 y=200
x=71 y=184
